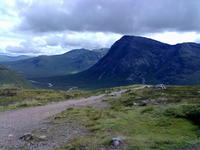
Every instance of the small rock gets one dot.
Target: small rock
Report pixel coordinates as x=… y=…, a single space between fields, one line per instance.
x=42 y=137
x=10 y=135
x=149 y=101
x=112 y=94
x=160 y=86
x=198 y=132
x=43 y=129
x=115 y=142
x=26 y=137
x=82 y=148
x=147 y=86
x=57 y=117
x=135 y=104
x=198 y=92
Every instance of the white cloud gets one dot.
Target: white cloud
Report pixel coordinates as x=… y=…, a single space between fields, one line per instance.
x=175 y=37
x=89 y=40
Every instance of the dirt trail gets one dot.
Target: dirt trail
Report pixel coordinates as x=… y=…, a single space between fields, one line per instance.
x=14 y=122
x=17 y=122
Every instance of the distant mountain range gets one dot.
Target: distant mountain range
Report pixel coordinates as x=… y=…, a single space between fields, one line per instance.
x=138 y=60
x=45 y=66
x=10 y=78
x=5 y=58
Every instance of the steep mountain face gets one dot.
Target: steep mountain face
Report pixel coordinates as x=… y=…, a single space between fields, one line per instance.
x=136 y=60
x=11 y=78
x=5 y=58
x=44 y=66
x=142 y=60
x=131 y=59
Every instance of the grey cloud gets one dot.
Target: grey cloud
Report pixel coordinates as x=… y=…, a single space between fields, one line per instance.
x=21 y=50
x=26 y=47
x=87 y=40
x=80 y=43
x=119 y=16
x=53 y=40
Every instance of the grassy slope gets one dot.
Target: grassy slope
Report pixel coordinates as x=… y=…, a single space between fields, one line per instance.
x=79 y=81
x=10 y=78
x=15 y=98
x=44 y=66
x=20 y=98
x=170 y=122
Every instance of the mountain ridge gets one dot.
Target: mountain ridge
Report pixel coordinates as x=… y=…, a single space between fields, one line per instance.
x=44 y=66
x=6 y=58
x=138 y=60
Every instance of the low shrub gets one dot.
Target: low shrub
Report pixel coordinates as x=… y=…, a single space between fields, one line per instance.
x=191 y=112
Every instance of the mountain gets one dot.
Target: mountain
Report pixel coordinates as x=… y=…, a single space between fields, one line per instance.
x=136 y=60
x=11 y=78
x=101 y=51
x=5 y=58
x=44 y=66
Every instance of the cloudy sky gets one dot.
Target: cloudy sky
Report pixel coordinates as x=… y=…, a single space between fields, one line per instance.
x=35 y=27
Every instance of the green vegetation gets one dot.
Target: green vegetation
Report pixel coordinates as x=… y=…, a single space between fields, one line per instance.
x=80 y=81
x=45 y=66
x=148 y=119
x=9 y=78
x=162 y=119
x=14 y=98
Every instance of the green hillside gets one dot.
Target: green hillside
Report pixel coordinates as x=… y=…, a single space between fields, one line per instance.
x=68 y=63
x=5 y=58
x=10 y=78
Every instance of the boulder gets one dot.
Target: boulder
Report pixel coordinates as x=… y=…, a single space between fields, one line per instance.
x=27 y=137
x=116 y=142
x=31 y=137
